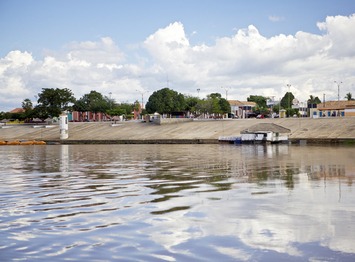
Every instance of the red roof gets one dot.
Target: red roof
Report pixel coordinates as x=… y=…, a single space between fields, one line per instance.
x=17 y=110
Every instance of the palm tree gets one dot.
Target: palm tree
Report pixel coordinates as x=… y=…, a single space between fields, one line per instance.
x=349 y=96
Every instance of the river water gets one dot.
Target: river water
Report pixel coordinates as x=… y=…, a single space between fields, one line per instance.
x=177 y=203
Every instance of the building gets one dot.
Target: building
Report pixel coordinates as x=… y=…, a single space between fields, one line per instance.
x=301 y=106
x=272 y=102
x=334 y=108
x=265 y=132
x=241 y=109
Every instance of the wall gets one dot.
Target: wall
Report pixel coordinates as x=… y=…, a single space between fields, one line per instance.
x=349 y=112
x=164 y=121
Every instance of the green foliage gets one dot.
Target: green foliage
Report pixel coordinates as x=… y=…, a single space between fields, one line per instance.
x=276 y=109
x=191 y=102
x=349 y=142
x=166 y=101
x=81 y=107
x=214 y=96
x=216 y=108
x=100 y=105
x=349 y=97
x=225 y=106
x=127 y=106
x=204 y=106
x=290 y=112
x=94 y=102
x=313 y=100
x=136 y=106
x=260 y=101
x=286 y=101
x=40 y=112
x=116 y=112
x=92 y=97
x=213 y=104
x=27 y=105
x=55 y=101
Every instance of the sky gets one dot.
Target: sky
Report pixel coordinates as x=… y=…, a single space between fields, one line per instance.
x=126 y=50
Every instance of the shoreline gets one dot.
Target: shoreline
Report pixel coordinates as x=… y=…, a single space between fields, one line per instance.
x=313 y=131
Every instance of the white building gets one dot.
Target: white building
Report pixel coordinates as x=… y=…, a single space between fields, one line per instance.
x=241 y=109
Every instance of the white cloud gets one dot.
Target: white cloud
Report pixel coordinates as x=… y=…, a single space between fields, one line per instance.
x=247 y=61
x=275 y=18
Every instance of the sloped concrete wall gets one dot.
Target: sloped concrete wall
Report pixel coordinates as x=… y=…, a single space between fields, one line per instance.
x=165 y=121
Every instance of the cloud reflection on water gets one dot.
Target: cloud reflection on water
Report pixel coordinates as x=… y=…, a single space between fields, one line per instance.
x=240 y=201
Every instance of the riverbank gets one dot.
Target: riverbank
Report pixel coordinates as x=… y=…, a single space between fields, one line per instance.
x=321 y=130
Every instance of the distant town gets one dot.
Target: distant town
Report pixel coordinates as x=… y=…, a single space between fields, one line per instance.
x=95 y=107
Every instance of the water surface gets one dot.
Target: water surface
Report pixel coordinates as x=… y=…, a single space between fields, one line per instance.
x=177 y=203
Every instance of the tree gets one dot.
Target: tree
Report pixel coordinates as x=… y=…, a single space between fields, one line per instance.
x=214 y=96
x=92 y=97
x=136 y=106
x=81 y=107
x=191 y=102
x=27 y=105
x=313 y=100
x=116 y=112
x=127 y=107
x=166 y=101
x=225 y=106
x=261 y=106
x=100 y=105
x=216 y=108
x=276 y=109
x=55 y=101
x=286 y=101
x=204 y=106
x=213 y=104
x=40 y=112
x=349 y=97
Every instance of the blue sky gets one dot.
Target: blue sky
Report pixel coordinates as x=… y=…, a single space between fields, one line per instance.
x=36 y=34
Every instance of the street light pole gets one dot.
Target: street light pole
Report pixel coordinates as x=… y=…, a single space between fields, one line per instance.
x=338 y=95
x=226 y=89
x=198 y=93
x=142 y=93
x=338 y=91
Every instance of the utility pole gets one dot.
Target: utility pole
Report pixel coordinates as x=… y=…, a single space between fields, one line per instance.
x=226 y=89
x=198 y=93
x=338 y=95
x=142 y=93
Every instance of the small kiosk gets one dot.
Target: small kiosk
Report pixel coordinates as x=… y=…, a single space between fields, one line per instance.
x=63 y=126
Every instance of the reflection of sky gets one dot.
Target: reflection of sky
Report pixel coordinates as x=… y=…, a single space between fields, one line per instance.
x=274 y=221
x=237 y=200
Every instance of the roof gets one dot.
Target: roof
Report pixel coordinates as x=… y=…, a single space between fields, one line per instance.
x=241 y=103
x=266 y=127
x=336 y=108
x=336 y=104
x=17 y=110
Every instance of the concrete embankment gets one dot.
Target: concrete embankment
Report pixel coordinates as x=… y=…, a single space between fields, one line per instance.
x=322 y=130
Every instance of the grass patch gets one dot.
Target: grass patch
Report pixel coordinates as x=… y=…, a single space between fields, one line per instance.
x=349 y=142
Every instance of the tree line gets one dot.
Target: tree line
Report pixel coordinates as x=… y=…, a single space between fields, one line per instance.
x=53 y=102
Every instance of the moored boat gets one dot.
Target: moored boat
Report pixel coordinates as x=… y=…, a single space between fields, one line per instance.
x=39 y=142
x=26 y=143
x=12 y=142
